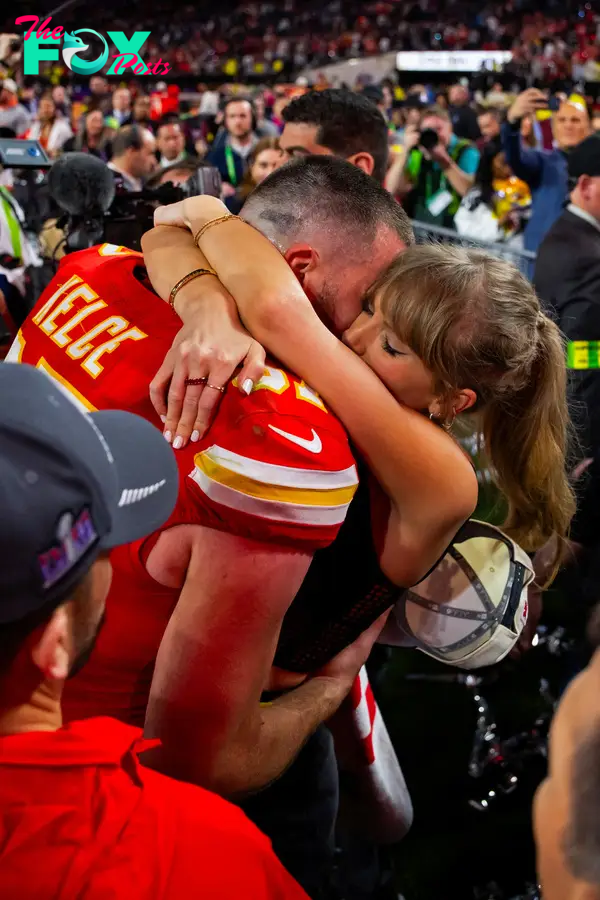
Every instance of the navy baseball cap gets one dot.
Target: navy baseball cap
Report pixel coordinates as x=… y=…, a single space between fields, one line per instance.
x=584 y=159
x=71 y=485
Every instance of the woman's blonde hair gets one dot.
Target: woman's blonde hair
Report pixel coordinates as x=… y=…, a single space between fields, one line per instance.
x=476 y=323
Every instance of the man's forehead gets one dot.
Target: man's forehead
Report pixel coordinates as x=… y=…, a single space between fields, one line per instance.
x=298 y=136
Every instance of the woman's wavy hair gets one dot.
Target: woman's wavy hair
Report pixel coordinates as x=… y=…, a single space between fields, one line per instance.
x=476 y=323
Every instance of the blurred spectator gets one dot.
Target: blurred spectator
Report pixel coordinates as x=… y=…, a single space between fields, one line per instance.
x=61 y=101
x=412 y=116
x=433 y=177
x=462 y=116
x=338 y=123
x=264 y=127
x=230 y=154
x=495 y=207
x=544 y=172
x=180 y=173
x=13 y=114
x=567 y=279
x=266 y=156
x=121 y=106
x=170 y=143
x=92 y=136
x=140 y=114
x=49 y=127
x=99 y=96
x=488 y=122
x=133 y=158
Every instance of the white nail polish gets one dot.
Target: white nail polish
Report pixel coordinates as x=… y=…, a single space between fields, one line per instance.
x=163 y=419
x=178 y=443
x=247 y=386
x=168 y=436
x=195 y=436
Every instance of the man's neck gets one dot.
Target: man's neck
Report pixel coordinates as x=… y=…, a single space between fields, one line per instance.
x=118 y=166
x=578 y=210
x=241 y=141
x=38 y=710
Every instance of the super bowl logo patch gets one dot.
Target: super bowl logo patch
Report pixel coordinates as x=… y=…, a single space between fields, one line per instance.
x=74 y=537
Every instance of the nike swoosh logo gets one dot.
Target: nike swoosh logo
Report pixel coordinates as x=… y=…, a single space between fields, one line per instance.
x=313 y=446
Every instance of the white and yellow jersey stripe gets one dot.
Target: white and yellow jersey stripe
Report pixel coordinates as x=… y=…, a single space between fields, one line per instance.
x=316 y=498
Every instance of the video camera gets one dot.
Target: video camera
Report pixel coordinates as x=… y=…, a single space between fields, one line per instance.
x=97 y=208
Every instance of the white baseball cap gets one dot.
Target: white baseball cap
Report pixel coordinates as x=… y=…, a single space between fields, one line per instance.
x=470 y=610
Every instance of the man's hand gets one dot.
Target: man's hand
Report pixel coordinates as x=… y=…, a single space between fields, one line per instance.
x=412 y=135
x=527 y=104
x=439 y=154
x=346 y=665
x=210 y=347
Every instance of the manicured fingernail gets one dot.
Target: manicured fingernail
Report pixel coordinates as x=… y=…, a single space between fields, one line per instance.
x=195 y=436
x=178 y=443
x=247 y=386
x=163 y=419
x=168 y=436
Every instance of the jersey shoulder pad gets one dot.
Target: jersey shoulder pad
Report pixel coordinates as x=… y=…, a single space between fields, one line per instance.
x=277 y=465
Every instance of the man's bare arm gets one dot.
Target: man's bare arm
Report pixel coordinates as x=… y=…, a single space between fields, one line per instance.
x=214 y=662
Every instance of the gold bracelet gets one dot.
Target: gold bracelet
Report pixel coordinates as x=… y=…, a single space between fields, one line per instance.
x=186 y=280
x=210 y=224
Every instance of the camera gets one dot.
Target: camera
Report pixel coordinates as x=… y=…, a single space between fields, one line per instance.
x=428 y=139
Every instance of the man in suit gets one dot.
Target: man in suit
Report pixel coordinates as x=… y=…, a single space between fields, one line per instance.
x=567 y=279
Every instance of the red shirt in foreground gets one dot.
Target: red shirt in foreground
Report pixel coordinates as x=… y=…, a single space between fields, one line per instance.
x=82 y=819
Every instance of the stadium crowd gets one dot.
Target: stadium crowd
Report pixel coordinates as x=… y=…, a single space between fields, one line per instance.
x=191 y=636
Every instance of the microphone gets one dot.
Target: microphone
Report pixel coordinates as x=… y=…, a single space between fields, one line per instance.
x=81 y=185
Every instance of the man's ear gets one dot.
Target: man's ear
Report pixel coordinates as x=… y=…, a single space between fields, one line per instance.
x=302 y=260
x=363 y=161
x=51 y=652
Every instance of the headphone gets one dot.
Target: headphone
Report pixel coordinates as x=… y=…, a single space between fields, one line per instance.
x=241 y=99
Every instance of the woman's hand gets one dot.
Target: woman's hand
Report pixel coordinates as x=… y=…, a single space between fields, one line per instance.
x=202 y=208
x=209 y=347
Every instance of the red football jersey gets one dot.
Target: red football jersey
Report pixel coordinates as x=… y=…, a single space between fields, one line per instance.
x=275 y=466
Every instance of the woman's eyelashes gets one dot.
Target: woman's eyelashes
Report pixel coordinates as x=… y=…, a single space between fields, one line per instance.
x=387 y=347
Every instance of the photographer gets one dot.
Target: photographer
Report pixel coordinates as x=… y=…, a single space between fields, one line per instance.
x=434 y=171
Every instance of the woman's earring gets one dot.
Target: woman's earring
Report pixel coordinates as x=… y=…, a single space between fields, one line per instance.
x=447 y=426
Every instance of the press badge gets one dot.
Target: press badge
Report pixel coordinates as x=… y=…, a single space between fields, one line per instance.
x=439 y=203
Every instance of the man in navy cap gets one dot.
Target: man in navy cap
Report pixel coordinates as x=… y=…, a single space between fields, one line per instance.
x=79 y=815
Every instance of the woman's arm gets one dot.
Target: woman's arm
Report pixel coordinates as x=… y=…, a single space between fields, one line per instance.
x=190 y=408
x=431 y=486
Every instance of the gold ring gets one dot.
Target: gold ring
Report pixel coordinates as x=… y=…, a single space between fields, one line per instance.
x=215 y=388
x=191 y=381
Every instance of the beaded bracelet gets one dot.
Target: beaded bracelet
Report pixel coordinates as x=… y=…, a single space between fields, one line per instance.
x=186 y=280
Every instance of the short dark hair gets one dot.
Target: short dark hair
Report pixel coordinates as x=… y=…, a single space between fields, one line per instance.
x=14 y=634
x=126 y=138
x=169 y=120
x=347 y=123
x=324 y=191
x=189 y=164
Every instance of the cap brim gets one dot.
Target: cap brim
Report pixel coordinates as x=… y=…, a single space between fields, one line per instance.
x=146 y=474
